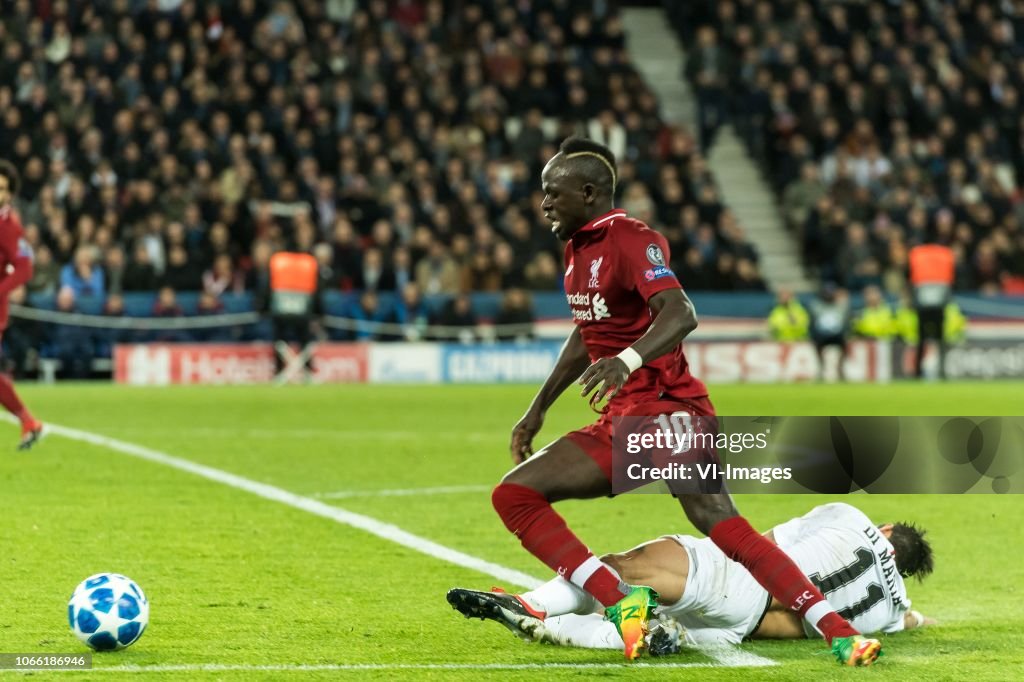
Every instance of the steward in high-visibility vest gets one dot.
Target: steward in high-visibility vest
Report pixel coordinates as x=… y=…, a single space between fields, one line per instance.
x=954 y=329
x=293 y=282
x=931 y=264
x=906 y=321
x=876 y=320
x=788 y=320
x=293 y=302
x=932 y=270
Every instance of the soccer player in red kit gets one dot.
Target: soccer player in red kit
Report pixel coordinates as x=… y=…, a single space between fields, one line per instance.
x=631 y=316
x=15 y=270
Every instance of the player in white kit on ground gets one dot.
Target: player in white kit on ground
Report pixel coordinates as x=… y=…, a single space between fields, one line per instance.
x=708 y=600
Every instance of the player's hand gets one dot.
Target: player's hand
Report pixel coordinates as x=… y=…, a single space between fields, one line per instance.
x=522 y=436
x=923 y=620
x=610 y=374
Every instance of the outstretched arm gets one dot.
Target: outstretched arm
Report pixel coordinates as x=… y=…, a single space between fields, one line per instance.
x=916 y=619
x=674 y=319
x=780 y=623
x=572 y=360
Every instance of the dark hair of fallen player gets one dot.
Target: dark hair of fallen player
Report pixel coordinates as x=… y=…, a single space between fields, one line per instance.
x=913 y=552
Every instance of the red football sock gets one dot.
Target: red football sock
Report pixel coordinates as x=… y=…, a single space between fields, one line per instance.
x=9 y=399
x=529 y=515
x=777 y=573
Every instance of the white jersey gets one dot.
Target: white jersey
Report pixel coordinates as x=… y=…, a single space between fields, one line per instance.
x=835 y=545
x=851 y=562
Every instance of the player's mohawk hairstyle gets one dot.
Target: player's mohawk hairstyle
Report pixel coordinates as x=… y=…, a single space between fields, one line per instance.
x=582 y=148
x=913 y=552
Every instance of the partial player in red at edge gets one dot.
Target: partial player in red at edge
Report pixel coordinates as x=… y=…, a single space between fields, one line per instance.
x=15 y=270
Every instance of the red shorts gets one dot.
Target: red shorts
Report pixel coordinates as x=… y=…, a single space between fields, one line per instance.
x=596 y=439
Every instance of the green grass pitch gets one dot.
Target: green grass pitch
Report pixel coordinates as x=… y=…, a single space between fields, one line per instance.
x=237 y=580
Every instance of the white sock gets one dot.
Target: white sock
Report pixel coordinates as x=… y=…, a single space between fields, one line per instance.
x=816 y=613
x=590 y=632
x=559 y=596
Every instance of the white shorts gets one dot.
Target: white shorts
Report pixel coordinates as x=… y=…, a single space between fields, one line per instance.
x=721 y=603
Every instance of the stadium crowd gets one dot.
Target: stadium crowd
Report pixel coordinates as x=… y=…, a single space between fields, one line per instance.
x=878 y=123
x=175 y=144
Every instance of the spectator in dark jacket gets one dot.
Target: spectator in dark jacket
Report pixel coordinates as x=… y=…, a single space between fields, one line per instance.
x=139 y=274
x=412 y=313
x=107 y=338
x=515 y=319
x=458 y=316
x=70 y=343
x=210 y=304
x=369 y=313
x=45 y=272
x=181 y=274
x=166 y=305
x=20 y=339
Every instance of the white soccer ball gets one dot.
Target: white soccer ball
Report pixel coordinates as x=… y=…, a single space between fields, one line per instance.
x=108 y=611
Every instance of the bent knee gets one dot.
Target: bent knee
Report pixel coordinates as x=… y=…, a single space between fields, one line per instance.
x=509 y=493
x=523 y=475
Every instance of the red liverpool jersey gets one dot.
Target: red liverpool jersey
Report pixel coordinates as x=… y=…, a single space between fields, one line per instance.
x=614 y=264
x=12 y=255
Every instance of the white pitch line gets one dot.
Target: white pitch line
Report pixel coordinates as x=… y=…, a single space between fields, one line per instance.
x=382 y=530
x=403 y=492
x=328 y=433
x=386 y=531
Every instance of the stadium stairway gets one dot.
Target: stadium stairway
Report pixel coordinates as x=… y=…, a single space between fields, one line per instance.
x=659 y=58
x=750 y=197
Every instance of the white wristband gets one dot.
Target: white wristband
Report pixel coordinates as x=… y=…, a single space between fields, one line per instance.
x=631 y=358
x=918 y=617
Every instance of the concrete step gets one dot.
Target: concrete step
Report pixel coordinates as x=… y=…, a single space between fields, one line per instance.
x=779 y=265
x=659 y=58
x=767 y=231
x=745 y=191
x=776 y=254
